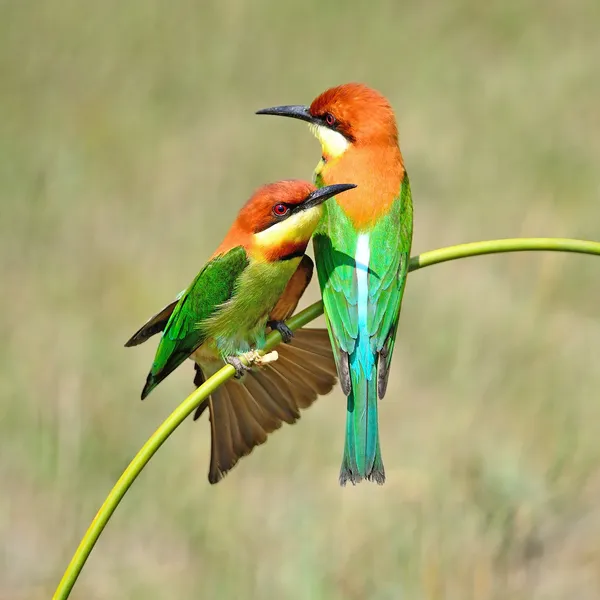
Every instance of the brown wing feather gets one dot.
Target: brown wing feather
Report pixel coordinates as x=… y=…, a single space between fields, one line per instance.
x=152 y=326
x=299 y=281
x=243 y=413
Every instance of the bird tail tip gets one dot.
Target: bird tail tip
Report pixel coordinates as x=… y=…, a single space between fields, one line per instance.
x=149 y=385
x=349 y=475
x=362 y=453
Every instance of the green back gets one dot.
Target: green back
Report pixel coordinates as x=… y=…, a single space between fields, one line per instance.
x=389 y=252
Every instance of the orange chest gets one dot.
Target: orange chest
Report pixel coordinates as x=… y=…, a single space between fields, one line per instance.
x=378 y=177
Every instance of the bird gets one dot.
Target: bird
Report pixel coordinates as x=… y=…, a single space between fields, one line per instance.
x=362 y=250
x=248 y=287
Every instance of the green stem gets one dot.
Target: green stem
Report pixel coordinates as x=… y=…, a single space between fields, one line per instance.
x=434 y=257
x=309 y=314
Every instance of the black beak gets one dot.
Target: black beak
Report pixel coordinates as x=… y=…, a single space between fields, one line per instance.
x=319 y=196
x=294 y=111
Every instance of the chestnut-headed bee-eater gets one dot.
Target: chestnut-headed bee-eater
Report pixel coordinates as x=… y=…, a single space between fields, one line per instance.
x=362 y=249
x=252 y=282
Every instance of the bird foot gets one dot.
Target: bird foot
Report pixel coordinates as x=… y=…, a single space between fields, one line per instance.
x=256 y=358
x=253 y=357
x=286 y=333
x=238 y=365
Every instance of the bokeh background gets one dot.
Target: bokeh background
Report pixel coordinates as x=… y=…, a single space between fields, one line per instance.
x=127 y=144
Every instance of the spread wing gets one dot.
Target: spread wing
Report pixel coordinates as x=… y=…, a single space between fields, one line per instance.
x=243 y=413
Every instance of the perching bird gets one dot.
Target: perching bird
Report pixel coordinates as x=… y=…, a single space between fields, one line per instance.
x=254 y=280
x=362 y=249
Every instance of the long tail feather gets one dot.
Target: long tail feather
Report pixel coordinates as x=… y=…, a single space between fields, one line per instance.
x=362 y=453
x=243 y=413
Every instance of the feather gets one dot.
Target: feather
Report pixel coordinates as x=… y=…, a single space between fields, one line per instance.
x=362 y=307
x=243 y=413
x=213 y=286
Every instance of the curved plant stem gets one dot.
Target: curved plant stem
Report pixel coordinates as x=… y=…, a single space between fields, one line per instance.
x=309 y=314
x=434 y=257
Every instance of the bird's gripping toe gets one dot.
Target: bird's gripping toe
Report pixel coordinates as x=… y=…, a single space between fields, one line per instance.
x=252 y=358
x=238 y=365
x=286 y=333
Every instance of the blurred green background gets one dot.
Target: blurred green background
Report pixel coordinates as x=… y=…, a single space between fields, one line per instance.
x=127 y=144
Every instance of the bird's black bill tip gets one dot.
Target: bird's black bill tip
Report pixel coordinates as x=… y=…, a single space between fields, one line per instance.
x=319 y=196
x=338 y=188
x=296 y=111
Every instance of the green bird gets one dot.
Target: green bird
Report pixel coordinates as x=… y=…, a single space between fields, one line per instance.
x=362 y=250
x=251 y=284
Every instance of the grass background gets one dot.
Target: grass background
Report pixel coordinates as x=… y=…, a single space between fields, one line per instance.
x=127 y=143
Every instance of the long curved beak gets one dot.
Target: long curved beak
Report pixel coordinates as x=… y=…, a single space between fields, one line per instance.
x=319 y=196
x=295 y=111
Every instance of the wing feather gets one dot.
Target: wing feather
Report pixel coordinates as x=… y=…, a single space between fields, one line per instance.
x=389 y=245
x=213 y=286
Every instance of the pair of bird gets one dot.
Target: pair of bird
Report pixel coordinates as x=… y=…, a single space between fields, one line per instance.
x=360 y=217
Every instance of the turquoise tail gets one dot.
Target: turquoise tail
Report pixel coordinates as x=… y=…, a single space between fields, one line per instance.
x=362 y=453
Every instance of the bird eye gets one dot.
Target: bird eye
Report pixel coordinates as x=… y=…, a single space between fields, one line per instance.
x=280 y=209
x=329 y=119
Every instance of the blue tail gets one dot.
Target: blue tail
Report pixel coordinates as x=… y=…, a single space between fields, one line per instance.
x=362 y=454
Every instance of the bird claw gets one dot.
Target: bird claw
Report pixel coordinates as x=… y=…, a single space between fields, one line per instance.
x=286 y=333
x=256 y=358
x=238 y=365
x=252 y=358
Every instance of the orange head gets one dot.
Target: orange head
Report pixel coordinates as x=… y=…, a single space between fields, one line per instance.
x=279 y=219
x=349 y=114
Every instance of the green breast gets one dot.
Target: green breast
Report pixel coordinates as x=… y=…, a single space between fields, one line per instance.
x=239 y=324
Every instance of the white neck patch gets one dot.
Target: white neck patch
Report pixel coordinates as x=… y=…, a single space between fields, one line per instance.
x=333 y=143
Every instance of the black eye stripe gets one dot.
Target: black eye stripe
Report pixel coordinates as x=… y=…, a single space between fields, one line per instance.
x=336 y=125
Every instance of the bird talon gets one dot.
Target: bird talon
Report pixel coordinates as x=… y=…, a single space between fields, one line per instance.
x=286 y=333
x=254 y=357
x=238 y=365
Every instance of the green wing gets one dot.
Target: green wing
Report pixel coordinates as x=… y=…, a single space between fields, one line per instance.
x=335 y=245
x=389 y=246
x=182 y=335
x=390 y=255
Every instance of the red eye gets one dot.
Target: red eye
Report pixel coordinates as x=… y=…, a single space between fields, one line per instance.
x=280 y=209
x=329 y=119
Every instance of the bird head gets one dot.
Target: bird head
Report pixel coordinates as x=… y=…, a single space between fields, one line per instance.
x=281 y=217
x=347 y=115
